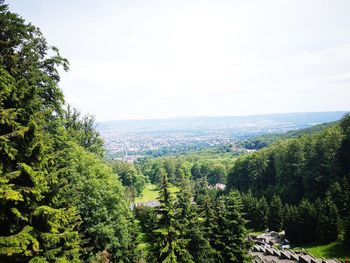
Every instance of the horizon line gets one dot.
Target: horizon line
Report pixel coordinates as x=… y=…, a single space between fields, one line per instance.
x=223 y=116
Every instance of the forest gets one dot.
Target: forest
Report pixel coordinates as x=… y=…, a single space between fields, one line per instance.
x=303 y=182
x=62 y=201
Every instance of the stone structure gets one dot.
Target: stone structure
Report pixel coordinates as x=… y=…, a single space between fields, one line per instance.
x=266 y=254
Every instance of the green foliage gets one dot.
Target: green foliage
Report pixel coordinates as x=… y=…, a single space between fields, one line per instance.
x=200 y=190
x=328 y=221
x=255 y=210
x=347 y=231
x=211 y=166
x=217 y=174
x=308 y=222
x=52 y=191
x=147 y=217
x=344 y=151
x=83 y=131
x=151 y=193
x=300 y=222
x=131 y=177
x=229 y=234
x=310 y=174
x=192 y=229
x=274 y=221
x=166 y=243
x=296 y=168
x=290 y=222
x=339 y=194
x=34 y=227
x=336 y=250
x=22 y=243
x=265 y=140
x=99 y=198
x=182 y=231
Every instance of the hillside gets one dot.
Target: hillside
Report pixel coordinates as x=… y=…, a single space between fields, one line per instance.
x=264 y=140
x=301 y=183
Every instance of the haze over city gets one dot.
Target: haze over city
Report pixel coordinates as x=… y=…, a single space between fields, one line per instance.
x=161 y=59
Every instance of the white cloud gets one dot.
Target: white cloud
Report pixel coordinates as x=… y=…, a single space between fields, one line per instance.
x=158 y=58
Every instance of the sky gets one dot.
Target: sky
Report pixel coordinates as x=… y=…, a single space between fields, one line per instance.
x=134 y=59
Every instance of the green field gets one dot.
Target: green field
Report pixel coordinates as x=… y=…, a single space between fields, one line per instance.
x=332 y=250
x=151 y=192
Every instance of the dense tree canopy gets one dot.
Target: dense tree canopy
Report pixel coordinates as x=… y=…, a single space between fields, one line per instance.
x=311 y=176
x=59 y=203
x=62 y=202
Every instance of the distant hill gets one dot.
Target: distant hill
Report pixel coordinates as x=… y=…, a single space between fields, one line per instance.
x=267 y=139
x=235 y=125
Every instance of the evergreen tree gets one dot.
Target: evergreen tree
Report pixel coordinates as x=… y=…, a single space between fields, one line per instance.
x=192 y=230
x=290 y=221
x=339 y=195
x=209 y=224
x=185 y=217
x=275 y=214
x=230 y=237
x=255 y=211
x=166 y=243
x=237 y=246
x=344 y=151
x=347 y=232
x=249 y=208
x=306 y=222
x=262 y=213
x=200 y=190
x=328 y=221
x=34 y=226
x=218 y=229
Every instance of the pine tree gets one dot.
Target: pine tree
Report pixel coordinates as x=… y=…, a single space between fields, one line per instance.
x=262 y=213
x=249 y=209
x=166 y=243
x=255 y=211
x=209 y=224
x=306 y=227
x=339 y=196
x=328 y=221
x=219 y=229
x=347 y=232
x=34 y=227
x=275 y=214
x=230 y=237
x=290 y=220
x=192 y=229
x=200 y=190
x=184 y=217
x=344 y=151
x=237 y=246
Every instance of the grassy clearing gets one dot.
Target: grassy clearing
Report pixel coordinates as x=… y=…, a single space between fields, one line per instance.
x=332 y=250
x=150 y=192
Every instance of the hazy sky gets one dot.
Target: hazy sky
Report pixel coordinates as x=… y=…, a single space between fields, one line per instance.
x=158 y=59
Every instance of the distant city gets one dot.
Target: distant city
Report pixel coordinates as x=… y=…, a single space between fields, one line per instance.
x=129 y=140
